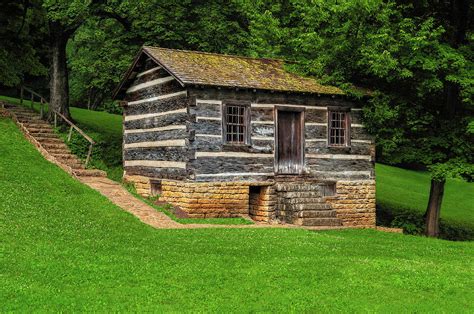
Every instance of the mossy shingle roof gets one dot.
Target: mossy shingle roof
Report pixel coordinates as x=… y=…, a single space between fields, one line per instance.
x=201 y=68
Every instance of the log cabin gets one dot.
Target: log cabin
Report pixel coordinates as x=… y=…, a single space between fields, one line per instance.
x=225 y=136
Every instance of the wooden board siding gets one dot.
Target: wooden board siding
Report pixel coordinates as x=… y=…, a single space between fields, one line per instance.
x=155 y=126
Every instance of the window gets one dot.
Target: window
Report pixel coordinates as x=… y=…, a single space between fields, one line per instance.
x=339 y=128
x=236 y=124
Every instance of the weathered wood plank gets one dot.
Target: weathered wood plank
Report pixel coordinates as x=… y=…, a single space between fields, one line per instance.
x=157 y=97
x=320 y=147
x=154 y=114
x=359 y=133
x=165 y=143
x=315 y=131
x=329 y=164
x=159 y=129
x=236 y=176
x=161 y=173
x=211 y=165
x=343 y=175
x=159 y=153
x=155 y=163
x=263 y=130
x=207 y=110
x=155 y=136
x=170 y=119
x=261 y=114
x=160 y=105
x=168 y=87
x=207 y=127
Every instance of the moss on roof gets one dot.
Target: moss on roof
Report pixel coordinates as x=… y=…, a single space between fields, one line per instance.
x=201 y=68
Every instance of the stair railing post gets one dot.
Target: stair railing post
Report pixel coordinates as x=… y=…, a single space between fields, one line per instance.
x=70 y=134
x=89 y=154
x=41 y=108
x=32 y=99
x=55 y=120
x=21 y=95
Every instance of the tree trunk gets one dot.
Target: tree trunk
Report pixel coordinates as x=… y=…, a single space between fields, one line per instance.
x=434 y=208
x=59 y=82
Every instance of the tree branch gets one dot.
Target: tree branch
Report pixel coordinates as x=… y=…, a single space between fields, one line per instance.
x=112 y=15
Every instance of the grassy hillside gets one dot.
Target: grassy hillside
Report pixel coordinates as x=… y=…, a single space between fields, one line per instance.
x=398 y=190
x=67 y=248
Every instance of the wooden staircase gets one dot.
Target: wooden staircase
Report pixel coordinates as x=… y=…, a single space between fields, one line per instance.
x=42 y=134
x=304 y=204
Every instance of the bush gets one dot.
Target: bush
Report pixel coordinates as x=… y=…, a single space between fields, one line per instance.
x=106 y=153
x=414 y=223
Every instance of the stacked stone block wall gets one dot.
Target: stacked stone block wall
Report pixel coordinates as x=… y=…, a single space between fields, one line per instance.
x=355 y=203
x=142 y=184
x=262 y=200
x=207 y=199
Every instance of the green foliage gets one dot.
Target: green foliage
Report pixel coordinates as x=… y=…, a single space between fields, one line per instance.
x=21 y=34
x=71 y=249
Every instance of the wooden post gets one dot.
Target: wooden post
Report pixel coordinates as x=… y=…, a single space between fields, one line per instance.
x=70 y=134
x=55 y=120
x=21 y=95
x=89 y=154
x=41 y=108
x=32 y=98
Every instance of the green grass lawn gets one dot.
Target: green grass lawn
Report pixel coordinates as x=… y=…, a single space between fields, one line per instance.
x=64 y=247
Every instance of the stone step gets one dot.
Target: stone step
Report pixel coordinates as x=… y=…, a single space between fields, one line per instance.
x=58 y=151
x=312 y=194
x=300 y=207
x=41 y=130
x=303 y=200
x=65 y=156
x=35 y=125
x=319 y=222
x=296 y=187
x=29 y=120
x=317 y=214
x=23 y=117
x=73 y=164
x=48 y=146
x=49 y=140
x=90 y=173
x=44 y=135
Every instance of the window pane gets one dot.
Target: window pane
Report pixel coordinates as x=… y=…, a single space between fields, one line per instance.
x=337 y=128
x=236 y=124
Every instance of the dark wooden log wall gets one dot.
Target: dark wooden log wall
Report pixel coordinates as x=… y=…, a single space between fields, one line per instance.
x=155 y=132
x=217 y=162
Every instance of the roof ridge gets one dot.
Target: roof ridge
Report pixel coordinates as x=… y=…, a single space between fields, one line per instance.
x=219 y=54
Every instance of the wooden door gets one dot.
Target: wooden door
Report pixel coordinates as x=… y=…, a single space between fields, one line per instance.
x=289 y=141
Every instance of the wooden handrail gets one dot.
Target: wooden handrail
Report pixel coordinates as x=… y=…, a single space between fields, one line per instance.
x=72 y=126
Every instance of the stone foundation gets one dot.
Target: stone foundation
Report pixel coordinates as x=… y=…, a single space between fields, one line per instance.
x=355 y=203
x=142 y=184
x=207 y=199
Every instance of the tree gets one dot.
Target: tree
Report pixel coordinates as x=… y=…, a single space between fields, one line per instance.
x=21 y=32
